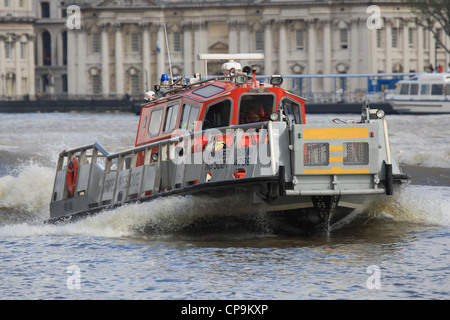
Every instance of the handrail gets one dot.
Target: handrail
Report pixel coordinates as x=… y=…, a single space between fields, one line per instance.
x=159 y=143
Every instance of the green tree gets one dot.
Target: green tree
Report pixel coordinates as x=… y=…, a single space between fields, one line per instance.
x=429 y=12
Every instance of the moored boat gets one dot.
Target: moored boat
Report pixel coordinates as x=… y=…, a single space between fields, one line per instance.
x=234 y=135
x=425 y=93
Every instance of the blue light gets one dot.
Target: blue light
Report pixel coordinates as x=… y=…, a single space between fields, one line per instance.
x=164 y=77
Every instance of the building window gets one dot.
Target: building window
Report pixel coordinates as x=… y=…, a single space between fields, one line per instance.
x=411 y=37
x=343 y=33
x=177 y=42
x=96 y=85
x=63 y=10
x=45 y=10
x=259 y=41
x=64 y=83
x=7 y=50
x=134 y=42
x=23 y=51
x=96 y=42
x=64 y=47
x=378 y=38
x=394 y=37
x=134 y=84
x=6 y=3
x=22 y=3
x=438 y=37
x=300 y=39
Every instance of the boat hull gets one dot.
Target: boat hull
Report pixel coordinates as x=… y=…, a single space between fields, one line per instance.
x=420 y=107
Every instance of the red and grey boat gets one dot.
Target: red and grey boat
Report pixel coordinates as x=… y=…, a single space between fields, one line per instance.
x=232 y=135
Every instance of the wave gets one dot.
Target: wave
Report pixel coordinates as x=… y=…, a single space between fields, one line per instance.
x=25 y=196
x=417 y=204
x=27 y=188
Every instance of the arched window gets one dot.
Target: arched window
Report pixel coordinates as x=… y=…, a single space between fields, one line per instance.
x=46 y=49
x=64 y=47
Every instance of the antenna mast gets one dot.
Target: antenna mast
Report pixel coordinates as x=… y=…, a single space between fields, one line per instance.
x=168 y=53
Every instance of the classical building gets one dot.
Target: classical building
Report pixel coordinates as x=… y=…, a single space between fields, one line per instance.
x=51 y=48
x=16 y=49
x=115 y=47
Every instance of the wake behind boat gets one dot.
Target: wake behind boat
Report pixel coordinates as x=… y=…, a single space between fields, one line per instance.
x=426 y=93
x=234 y=135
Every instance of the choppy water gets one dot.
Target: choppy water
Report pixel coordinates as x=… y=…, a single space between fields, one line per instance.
x=402 y=252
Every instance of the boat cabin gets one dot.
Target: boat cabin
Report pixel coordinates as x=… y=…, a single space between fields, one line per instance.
x=214 y=105
x=427 y=86
x=236 y=99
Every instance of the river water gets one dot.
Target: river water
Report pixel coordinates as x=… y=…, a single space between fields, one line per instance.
x=401 y=252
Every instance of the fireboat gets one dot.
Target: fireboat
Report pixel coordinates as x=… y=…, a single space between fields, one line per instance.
x=234 y=134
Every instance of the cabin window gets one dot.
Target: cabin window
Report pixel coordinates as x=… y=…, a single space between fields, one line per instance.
x=255 y=108
x=208 y=91
x=155 y=122
x=188 y=117
x=437 y=89
x=292 y=110
x=356 y=153
x=447 y=90
x=218 y=115
x=316 y=154
x=404 y=89
x=424 y=89
x=171 y=118
x=414 y=89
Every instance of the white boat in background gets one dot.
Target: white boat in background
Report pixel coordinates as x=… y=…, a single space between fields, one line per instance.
x=424 y=93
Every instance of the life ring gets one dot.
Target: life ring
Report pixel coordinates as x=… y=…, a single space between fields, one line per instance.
x=72 y=175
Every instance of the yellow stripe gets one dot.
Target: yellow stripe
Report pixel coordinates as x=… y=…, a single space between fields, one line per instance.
x=336 y=170
x=336 y=159
x=337 y=148
x=336 y=133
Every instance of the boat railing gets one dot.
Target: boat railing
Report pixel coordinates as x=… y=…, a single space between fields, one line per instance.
x=137 y=172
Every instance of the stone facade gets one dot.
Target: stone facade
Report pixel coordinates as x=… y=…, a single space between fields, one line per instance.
x=16 y=49
x=120 y=47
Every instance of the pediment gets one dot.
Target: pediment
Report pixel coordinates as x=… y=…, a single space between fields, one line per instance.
x=126 y=3
x=218 y=47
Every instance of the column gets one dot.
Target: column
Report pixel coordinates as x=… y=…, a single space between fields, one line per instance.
x=39 y=48
x=353 y=83
x=81 y=60
x=105 y=60
x=199 y=39
x=268 y=45
x=420 y=45
x=311 y=53
x=232 y=36
x=161 y=52
x=71 y=59
x=119 y=60
x=30 y=65
x=432 y=49
x=18 y=67
x=2 y=55
x=327 y=83
x=146 y=50
x=243 y=36
x=282 y=47
x=187 y=48
x=388 y=49
x=405 y=31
